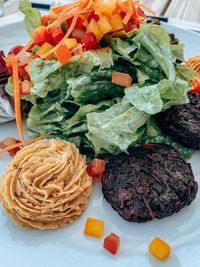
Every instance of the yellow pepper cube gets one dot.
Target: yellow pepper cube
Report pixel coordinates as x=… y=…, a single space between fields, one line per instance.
x=104 y=6
x=116 y=22
x=46 y=47
x=159 y=249
x=104 y=25
x=93 y=27
x=94 y=227
x=70 y=42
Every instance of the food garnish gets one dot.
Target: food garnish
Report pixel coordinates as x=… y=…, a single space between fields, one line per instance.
x=9 y=142
x=46 y=185
x=159 y=249
x=96 y=168
x=112 y=243
x=94 y=227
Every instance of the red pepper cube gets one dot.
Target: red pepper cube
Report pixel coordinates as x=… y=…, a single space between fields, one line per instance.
x=94 y=227
x=122 y=79
x=63 y=54
x=112 y=243
x=159 y=249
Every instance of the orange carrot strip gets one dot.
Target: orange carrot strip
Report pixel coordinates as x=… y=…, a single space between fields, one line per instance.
x=63 y=8
x=83 y=4
x=143 y=6
x=128 y=15
x=121 y=6
x=26 y=47
x=76 y=47
x=17 y=97
x=8 y=148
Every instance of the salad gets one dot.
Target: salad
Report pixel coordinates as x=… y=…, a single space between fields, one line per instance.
x=95 y=74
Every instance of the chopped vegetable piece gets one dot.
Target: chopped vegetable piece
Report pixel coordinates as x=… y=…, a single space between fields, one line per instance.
x=104 y=6
x=76 y=34
x=196 y=88
x=122 y=79
x=131 y=25
x=94 y=227
x=44 y=49
x=70 y=42
x=89 y=40
x=112 y=243
x=77 y=49
x=92 y=16
x=57 y=35
x=35 y=49
x=116 y=22
x=63 y=54
x=18 y=144
x=96 y=168
x=159 y=249
x=79 y=24
x=93 y=27
x=41 y=35
x=45 y=20
x=17 y=97
x=25 y=48
x=104 y=25
x=16 y=49
x=9 y=142
x=25 y=87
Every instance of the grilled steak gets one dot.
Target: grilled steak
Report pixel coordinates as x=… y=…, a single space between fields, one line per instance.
x=153 y=181
x=182 y=122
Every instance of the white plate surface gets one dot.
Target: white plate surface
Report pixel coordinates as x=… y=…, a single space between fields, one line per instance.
x=69 y=246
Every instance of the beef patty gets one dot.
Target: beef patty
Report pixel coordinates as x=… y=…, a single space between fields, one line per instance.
x=153 y=181
x=182 y=122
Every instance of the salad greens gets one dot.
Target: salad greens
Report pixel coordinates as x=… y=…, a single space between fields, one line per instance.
x=79 y=103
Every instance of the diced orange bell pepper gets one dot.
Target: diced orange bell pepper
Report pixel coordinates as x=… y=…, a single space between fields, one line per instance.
x=46 y=47
x=112 y=243
x=70 y=42
x=159 y=249
x=116 y=22
x=104 y=25
x=122 y=79
x=94 y=227
x=63 y=54
x=93 y=27
x=104 y=6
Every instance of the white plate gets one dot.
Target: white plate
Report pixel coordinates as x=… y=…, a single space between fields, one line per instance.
x=69 y=246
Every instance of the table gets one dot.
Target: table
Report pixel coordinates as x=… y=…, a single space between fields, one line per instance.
x=187 y=10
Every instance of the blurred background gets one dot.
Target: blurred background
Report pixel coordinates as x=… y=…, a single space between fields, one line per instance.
x=177 y=11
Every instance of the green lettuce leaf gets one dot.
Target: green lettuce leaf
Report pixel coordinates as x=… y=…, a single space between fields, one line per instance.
x=115 y=129
x=32 y=18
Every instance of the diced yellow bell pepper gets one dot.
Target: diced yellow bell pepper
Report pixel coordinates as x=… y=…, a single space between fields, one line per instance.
x=70 y=42
x=104 y=25
x=44 y=49
x=104 y=6
x=94 y=227
x=116 y=22
x=93 y=27
x=159 y=249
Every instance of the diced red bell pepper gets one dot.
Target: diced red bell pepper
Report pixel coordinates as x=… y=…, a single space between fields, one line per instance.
x=131 y=25
x=112 y=243
x=24 y=60
x=141 y=13
x=92 y=16
x=15 y=50
x=41 y=35
x=196 y=88
x=77 y=33
x=25 y=87
x=89 y=40
x=45 y=20
x=57 y=35
x=78 y=25
x=96 y=168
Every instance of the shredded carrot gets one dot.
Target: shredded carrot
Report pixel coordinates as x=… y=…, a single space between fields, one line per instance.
x=129 y=14
x=63 y=8
x=17 y=97
x=121 y=6
x=83 y=4
x=143 y=6
x=8 y=148
x=26 y=47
